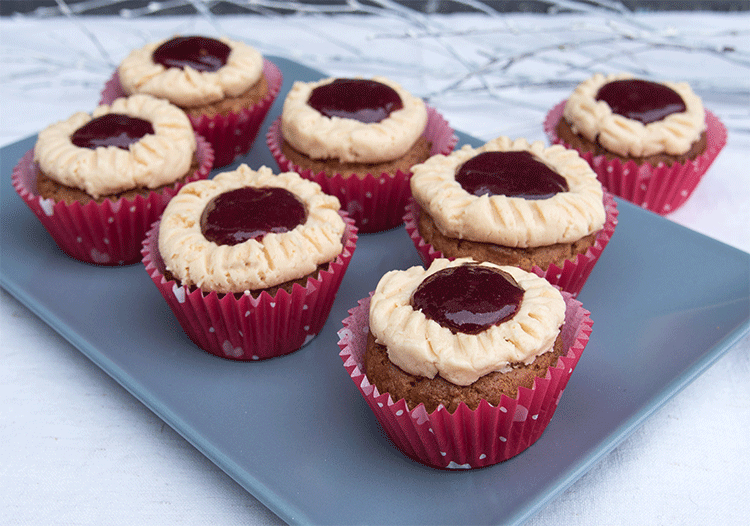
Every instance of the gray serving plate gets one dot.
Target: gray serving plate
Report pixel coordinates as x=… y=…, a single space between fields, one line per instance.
x=294 y=430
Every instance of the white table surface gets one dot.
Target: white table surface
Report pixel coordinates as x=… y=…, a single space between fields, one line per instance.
x=76 y=448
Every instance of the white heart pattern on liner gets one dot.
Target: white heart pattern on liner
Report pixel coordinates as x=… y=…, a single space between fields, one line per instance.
x=179 y=293
x=48 y=206
x=229 y=350
x=99 y=257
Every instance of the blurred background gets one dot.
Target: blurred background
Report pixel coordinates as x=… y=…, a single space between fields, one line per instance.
x=224 y=7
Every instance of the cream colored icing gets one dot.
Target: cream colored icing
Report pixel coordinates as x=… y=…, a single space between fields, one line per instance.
x=348 y=140
x=595 y=120
x=423 y=347
x=154 y=160
x=187 y=87
x=511 y=221
x=251 y=265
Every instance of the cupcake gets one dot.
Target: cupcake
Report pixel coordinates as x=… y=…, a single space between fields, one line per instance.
x=512 y=203
x=98 y=181
x=226 y=87
x=649 y=142
x=464 y=363
x=358 y=138
x=250 y=262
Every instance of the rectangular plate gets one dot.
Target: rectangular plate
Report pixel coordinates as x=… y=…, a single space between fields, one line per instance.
x=295 y=432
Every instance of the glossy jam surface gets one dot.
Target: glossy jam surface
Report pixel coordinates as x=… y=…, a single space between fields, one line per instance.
x=641 y=100
x=112 y=129
x=250 y=213
x=468 y=298
x=513 y=174
x=363 y=100
x=200 y=53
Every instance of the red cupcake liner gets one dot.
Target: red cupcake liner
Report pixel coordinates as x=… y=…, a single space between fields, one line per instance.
x=661 y=189
x=467 y=439
x=375 y=202
x=230 y=135
x=252 y=328
x=106 y=233
x=570 y=278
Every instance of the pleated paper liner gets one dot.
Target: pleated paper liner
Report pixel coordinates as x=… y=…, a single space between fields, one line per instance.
x=106 y=233
x=661 y=189
x=248 y=328
x=230 y=135
x=467 y=439
x=376 y=202
x=570 y=278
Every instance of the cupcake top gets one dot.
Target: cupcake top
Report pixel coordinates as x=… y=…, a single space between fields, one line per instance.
x=136 y=142
x=634 y=117
x=248 y=230
x=462 y=319
x=352 y=120
x=191 y=71
x=511 y=193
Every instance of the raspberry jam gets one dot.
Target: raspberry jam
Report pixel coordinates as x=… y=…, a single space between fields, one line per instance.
x=200 y=53
x=641 y=100
x=250 y=213
x=112 y=129
x=468 y=298
x=512 y=174
x=366 y=101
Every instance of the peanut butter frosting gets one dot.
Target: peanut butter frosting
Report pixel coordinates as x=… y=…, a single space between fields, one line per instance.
x=421 y=346
x=348 y=140
x=187 y=87
x=511 y=221
x=252 y=264
x=594 y=120
x=152 y=161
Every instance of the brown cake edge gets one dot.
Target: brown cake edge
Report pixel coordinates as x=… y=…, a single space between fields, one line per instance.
x=418 y=153
x=524 y=258
x=255 y=94
x=432 y=392
x=578 y=142
x=48 y=188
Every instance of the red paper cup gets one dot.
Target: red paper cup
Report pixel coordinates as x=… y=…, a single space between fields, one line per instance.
x=252 y=328
x=467 y=439
x=570 y=278
x=106 y=233
x=375 y=202
x=661 y=189
x=230 y=135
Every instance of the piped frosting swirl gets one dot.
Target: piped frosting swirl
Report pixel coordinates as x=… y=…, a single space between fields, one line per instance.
x=188 y=87
x=595 y=120
x=255 y=263
x=154 y=160
x=421 y=346
x=320 y=137
x=511 y=221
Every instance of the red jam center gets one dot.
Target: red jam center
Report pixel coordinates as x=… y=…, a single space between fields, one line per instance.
x=112 y=129
x=641 y=100
x=468 y=298
x=200 y=53
x=250 y=213
x=367 y=101
x=513 y=174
